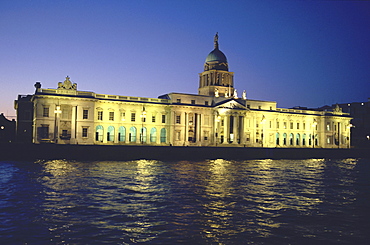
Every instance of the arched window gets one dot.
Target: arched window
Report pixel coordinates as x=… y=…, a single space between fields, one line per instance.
x=153 y=135
x=297 y=139
x=122 y=134
x=132 y=134
x=163 y=135
x=110 y=133
x=277 y=138
x=309 y=139
x=304 y=139
x=291 y=139
x=99 y=133
x=284 y=139
x=143 y=135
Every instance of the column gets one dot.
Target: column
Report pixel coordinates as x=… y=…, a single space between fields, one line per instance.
x=235 y=129
x=241 y=130
x=74 y=125
x=186 y=129
x=226 y=130
x=198 y=129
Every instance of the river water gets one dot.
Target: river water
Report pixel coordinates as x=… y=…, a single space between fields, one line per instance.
x=313 y=201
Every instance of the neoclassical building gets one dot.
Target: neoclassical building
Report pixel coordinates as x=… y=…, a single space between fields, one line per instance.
x=216 y=116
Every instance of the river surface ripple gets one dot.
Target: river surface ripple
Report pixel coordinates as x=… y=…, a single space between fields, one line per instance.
x=313 y=201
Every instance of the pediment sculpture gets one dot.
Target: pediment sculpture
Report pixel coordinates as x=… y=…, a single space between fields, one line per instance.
x=67 y=84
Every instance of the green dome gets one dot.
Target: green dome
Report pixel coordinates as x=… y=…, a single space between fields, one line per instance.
x=216 y=55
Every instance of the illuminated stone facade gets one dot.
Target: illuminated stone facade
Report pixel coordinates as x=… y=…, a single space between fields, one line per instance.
x=217 y=116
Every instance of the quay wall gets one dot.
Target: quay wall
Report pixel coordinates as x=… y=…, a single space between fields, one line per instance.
x=31 y=152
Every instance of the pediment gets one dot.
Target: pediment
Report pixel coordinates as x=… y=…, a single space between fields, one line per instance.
x=231 y=104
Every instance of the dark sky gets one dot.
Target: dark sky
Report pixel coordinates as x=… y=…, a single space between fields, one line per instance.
x=306 y=53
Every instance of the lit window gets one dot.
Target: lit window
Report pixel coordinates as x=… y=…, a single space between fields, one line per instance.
x=100 y=115
x=85 y=114
x=45 y=112
x=84 y=132
x=284 y=124
x=111 y=116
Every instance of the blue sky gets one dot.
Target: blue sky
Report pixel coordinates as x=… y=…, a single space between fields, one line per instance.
x=306 y=53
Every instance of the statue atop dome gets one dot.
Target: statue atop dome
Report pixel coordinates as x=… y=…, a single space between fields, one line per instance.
x=216 y=40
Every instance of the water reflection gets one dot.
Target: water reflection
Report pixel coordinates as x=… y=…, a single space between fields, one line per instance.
x=215 y=201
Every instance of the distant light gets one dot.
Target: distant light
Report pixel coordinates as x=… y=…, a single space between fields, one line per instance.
x=2 y=127
x=362 y=103
x=349 y=104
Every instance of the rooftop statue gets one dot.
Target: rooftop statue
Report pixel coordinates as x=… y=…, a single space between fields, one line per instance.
x=67 y=84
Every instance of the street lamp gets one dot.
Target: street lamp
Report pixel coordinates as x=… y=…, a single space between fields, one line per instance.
x=143 y=117
x=218 y=118
x=263 y=121
x=57 y=111
x=314 y=124
x=349 y=135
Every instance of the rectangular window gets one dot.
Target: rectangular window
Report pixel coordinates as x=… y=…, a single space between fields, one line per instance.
x=133 y=116
x=178 y=119
x=248 y=106
x=206 y=102
x=84 y=132
x=193 y=102
x=64 y=133
x=163 y=118
x=270 y=124
x=178 y=100
x=153 y=119
x=304 y=125
x=222 y=122
x=111 y=116
x=45 y=112
x=259 y=107
x=277 y=125
x=284 y=124
x=43 y=132
x=297 y=125
x=100 y=115
x=178 y=135
x=123 y=116
x=328 y=126
x=85 y=114
x=291 y=125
